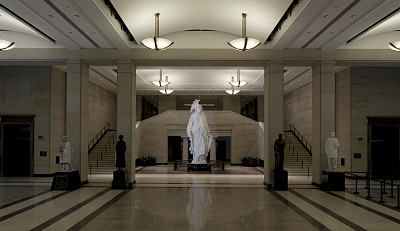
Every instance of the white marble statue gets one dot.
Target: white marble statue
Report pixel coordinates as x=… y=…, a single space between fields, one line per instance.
x=65 y=153
x=199 y=134
x=331 y=146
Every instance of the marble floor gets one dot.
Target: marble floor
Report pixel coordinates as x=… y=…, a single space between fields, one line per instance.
x=188 y=202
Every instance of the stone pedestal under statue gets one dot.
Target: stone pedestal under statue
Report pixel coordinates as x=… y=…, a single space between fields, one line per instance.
x=119 y=180
x=280 y=180
x=66 y=180
x=333 y=180
x=199 y=167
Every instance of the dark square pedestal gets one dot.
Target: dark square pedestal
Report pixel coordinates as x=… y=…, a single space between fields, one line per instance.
x=199 y=167
x=333 y=180
x=66 y=180
x=119 y=180
x=280 y=180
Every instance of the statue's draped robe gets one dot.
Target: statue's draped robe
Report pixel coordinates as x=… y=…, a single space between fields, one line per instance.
x=199 y=134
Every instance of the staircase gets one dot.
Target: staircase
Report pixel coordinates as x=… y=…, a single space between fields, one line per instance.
x=102 y=155
x=297 y=157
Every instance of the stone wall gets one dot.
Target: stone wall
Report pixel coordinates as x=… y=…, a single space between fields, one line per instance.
x=57 y=115
x=102 y=109
x=375 y=91
x=298 y=110
x=26 y=91
x=342 y=118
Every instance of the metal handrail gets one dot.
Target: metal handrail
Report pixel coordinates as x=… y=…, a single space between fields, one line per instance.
x=301 y=138
x=99 y=135
x=303 y=162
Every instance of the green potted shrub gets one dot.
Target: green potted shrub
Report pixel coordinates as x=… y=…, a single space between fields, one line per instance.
x=249 y=161
x=145 y=161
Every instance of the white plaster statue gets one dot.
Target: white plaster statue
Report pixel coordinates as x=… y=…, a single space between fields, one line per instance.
x=331 y=146
x=199 y=134
x=65 y=153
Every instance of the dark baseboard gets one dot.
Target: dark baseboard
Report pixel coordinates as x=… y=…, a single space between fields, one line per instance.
x=43 y=175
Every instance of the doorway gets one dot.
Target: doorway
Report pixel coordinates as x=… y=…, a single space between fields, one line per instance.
x=16 y=152
x=174 y=148
x=223 y=148
x=385 y=151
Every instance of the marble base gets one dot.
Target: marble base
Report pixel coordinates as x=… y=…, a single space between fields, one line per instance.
x=333 y=180
x=119 y=180
x=280 y=180
x=198 y=167
x=66 y=180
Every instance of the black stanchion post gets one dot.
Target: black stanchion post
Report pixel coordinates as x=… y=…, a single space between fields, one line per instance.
x=398 y=197
x=391 y=189
x=366 y=180
x=381 y=201
x=356 y=192
x=369 y=188
x=384 y=186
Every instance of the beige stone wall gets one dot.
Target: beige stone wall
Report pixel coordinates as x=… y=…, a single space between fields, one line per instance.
x=57 y=115
x=374 y=92
x=231 y=103
x=342 y=118
x=102 y=109
x=154 y=133
x=298 y=110
x=166 y=102
x=26 y=91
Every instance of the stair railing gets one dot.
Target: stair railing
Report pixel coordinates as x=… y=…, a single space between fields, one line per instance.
x=303 y=162
x=301 y=138
x=97 y=138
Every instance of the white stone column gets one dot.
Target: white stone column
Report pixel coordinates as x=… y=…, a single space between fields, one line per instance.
x=213 y=151
x=185 y=147
x=77 y=114
x=126 y=113
x=273 y=114
x=323 y=114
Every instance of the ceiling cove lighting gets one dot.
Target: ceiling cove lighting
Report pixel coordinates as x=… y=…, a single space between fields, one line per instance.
x=6 y=45
x=166 y=91
x=156 y=43
x=232 y=91
x=161 y=83
x=244 y=43
x=237 y=83
x=394 y=46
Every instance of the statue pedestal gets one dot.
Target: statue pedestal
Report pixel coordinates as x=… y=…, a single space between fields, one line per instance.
x=119 y=180
x=280 y=180
x=198 y=167
x=333 y=180
x=66 y=180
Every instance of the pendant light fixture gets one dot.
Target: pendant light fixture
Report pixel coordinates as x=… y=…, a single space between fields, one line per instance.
x=232 y=91
x=6 y=45
x=237 y=83
x=166 y=91
x=244 y=43
x=157 y=43
x=161 y=83
x=394 y=46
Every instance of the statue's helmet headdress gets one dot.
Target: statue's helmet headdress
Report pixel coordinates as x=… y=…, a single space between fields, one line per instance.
x=195 y=104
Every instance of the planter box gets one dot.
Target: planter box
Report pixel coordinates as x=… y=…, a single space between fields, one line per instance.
x=249 y=163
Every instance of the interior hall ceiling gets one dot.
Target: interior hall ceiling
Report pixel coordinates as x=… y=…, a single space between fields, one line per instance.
x=206 y=24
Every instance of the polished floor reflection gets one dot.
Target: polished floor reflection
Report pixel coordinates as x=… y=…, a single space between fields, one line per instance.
x=187 y=202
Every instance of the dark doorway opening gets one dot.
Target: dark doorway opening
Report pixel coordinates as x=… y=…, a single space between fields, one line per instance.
x=385 y=152
x=174 y=148
x=223 y=148
x=16 y=149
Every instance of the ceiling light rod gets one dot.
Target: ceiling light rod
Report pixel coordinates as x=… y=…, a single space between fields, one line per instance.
x=161 y=83
x=157 y=43
x=237 y=83
x=244 y=43
x=6 y=45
